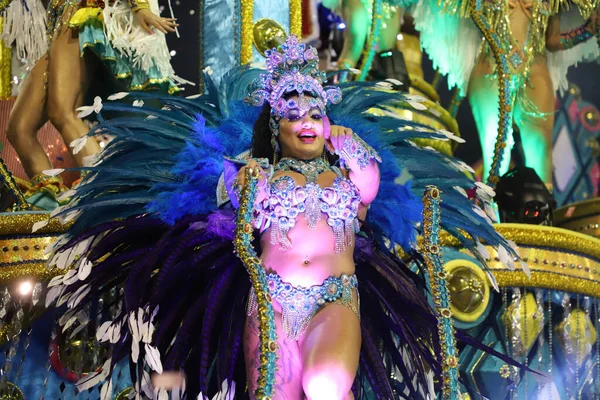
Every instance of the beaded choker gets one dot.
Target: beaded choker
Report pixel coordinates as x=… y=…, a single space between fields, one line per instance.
x=311 y=169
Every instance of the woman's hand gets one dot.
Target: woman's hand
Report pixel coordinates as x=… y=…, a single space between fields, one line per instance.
x=240 y=181
x=254 y=165
x=148 y=20
x=336 y=137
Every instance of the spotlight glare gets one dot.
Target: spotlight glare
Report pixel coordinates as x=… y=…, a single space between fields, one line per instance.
x=25 y=288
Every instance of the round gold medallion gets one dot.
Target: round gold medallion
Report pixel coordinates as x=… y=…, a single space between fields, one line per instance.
x=469 y=289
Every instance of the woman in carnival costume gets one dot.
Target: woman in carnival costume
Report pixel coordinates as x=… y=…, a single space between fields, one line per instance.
x=540 y=41
x=127 y=37
x=156 y=217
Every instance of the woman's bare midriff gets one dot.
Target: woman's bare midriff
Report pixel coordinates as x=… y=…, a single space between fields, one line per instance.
x=311 y=259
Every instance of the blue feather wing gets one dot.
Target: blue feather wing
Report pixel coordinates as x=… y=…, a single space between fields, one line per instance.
x=396 y=212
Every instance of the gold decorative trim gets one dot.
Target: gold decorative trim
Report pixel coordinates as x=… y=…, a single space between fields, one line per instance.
x=541 y=236
x=296 y=18
x=155 y=81
x=547 y=280
x=38 y=270
x=90 y=45
x=24 y=185
x=246 y=37
x=551 y=237
x=5 y=67
x=20 y=223
x=550 y=269
x=22 y=250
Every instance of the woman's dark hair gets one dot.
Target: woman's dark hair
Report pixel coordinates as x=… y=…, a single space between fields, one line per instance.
x=261 y=137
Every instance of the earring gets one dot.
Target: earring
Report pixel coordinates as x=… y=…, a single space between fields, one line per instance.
x=275 y=146
x=274 y=126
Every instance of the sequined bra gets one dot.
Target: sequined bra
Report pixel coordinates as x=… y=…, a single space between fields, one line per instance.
x=285 y=201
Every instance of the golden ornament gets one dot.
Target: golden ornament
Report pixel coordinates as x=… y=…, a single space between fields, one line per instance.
x=469 y=289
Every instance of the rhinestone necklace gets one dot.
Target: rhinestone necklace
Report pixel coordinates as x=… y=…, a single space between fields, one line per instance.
x=311 y=169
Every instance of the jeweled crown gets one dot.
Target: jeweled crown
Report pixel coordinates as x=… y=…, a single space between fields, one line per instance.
x=294 y=70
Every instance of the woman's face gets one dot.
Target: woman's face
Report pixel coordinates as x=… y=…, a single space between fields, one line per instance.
x=301 y=134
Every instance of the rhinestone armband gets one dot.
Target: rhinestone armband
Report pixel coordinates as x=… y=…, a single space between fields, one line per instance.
x=356 y=148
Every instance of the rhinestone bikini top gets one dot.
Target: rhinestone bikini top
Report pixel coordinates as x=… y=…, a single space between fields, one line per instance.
x=285 y=201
